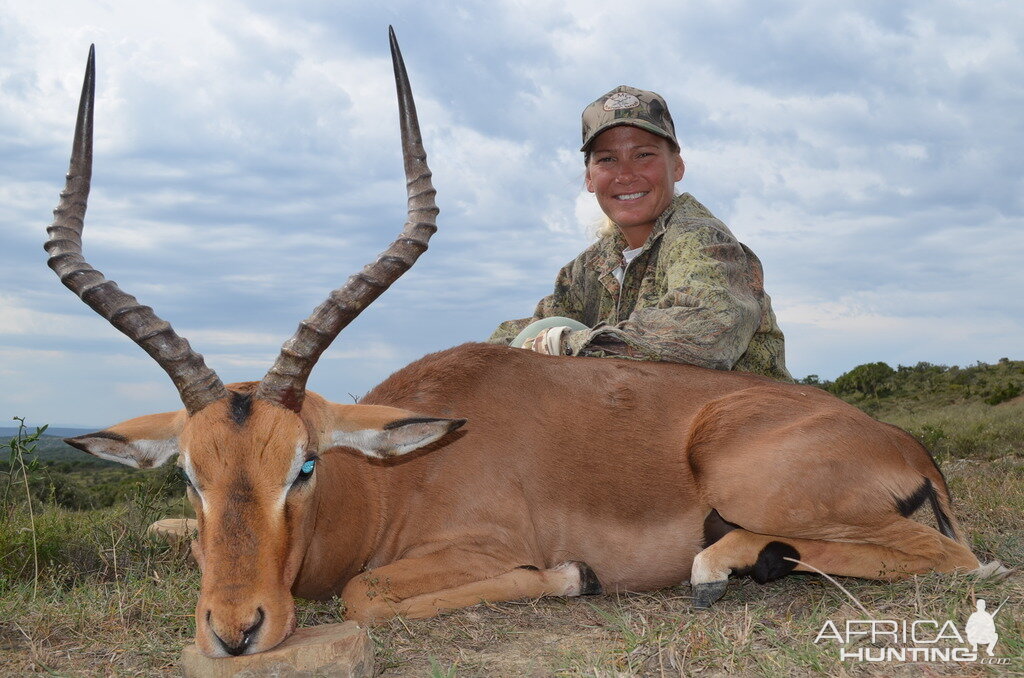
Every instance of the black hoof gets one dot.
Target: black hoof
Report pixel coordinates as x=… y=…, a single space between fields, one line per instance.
x=589 y=583
x=706 y=594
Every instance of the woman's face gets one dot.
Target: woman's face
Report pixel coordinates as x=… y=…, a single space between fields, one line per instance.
x=633 y=173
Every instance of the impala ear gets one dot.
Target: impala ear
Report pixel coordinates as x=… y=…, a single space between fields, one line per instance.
x=143 y=442
x=380 y=432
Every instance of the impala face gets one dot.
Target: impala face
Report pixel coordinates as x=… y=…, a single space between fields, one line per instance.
x=249 y=486
x=250 y=470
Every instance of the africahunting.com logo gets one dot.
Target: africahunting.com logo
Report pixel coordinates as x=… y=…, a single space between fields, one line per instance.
x=920 y=640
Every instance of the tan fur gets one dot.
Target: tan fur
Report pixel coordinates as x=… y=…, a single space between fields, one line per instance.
x=152 y=426
x=609 y=462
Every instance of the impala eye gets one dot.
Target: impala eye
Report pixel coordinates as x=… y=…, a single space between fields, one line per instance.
x=306 y=470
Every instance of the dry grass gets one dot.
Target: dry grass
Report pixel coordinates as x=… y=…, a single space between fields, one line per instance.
x=131 y=613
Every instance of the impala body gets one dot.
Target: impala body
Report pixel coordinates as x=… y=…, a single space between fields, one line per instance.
x=490 y=473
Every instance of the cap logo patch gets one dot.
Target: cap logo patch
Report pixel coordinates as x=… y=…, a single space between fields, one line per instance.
x=619 y=101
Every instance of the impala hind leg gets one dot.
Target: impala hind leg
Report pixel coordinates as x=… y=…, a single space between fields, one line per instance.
x=894 y=551
x=412 y=588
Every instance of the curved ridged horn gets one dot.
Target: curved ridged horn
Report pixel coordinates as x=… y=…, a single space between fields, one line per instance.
x=285 y=383
x=197 y=384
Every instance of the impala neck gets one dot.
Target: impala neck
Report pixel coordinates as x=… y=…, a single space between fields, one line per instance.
x=349 y=514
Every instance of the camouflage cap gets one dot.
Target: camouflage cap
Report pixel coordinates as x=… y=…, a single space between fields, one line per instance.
x=627 y=105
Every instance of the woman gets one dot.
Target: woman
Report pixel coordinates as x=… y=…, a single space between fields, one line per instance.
x=667 y=280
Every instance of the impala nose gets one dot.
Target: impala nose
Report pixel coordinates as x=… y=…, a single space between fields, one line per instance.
x=237 y=647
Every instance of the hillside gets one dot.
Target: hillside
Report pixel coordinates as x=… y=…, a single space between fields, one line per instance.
x=877 y=387
x=51 y=448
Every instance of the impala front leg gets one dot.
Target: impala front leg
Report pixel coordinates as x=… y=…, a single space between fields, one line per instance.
x=424 y=587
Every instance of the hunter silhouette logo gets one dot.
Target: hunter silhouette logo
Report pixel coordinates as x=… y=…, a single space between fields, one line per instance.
x=981 y=628
x=920 y=640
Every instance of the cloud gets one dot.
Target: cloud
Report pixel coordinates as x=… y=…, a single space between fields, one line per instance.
x=142 y=392
x=17 y=319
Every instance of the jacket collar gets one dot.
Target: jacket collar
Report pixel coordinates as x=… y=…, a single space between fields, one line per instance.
x=609 y=248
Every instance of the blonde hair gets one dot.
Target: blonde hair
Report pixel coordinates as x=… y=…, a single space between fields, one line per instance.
x=604 y=227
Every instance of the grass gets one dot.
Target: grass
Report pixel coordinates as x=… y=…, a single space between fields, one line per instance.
x=109 y=602
x=971 y=430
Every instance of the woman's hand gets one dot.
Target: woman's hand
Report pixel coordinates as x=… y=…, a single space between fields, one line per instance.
x=550 y=341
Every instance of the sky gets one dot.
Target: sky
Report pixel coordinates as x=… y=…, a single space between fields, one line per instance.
x=247 y=161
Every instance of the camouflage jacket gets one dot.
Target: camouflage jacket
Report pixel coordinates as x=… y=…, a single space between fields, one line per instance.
x=694 y=294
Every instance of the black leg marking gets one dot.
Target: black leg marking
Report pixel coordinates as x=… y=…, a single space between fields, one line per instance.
x=908 y=505
x=705 y=594
x=771 y=563
x=590 y=585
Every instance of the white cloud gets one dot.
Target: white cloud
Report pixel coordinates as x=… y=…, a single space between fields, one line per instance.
x=368 y=351
x=16 y=319
x=143 y=392
x=224 y=337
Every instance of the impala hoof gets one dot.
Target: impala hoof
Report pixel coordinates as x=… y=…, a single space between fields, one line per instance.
x=706 y=594
x=590 y=585
x=993 y=571
x=579 y=578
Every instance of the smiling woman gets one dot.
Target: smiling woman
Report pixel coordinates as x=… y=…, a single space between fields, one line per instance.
x=669 y=282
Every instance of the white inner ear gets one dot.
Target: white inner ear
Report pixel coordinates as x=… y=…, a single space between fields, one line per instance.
x=366 y=441
x=137 y=453
x=155 y=451
x=381 y=444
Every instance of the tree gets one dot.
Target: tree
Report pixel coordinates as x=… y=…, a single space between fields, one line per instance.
x=874 y=379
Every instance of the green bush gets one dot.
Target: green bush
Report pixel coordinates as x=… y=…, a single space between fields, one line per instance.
x=874 y=379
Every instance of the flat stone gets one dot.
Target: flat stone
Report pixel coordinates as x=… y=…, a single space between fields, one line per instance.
x=343 y=650
x=174 y=529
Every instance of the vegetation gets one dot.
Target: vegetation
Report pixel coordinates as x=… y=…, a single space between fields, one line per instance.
x=877 y=387
x=84 y=592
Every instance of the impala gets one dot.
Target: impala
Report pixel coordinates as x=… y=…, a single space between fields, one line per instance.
x=490 y=473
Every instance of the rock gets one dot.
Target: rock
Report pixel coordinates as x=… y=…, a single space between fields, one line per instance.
x=343 y=650
x=174 y=529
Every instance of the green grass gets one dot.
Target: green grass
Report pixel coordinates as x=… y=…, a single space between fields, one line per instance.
x=967 y=430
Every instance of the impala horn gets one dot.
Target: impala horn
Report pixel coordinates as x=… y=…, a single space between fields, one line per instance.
x=285 y=383
x=197 y=384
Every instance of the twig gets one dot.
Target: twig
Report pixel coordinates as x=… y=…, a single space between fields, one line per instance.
x=838 y=585
x=19 y=449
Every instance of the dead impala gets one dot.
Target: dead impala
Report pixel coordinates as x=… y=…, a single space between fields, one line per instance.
x=490 y=473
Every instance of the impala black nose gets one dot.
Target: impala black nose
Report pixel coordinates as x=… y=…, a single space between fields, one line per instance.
x=248 y=635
